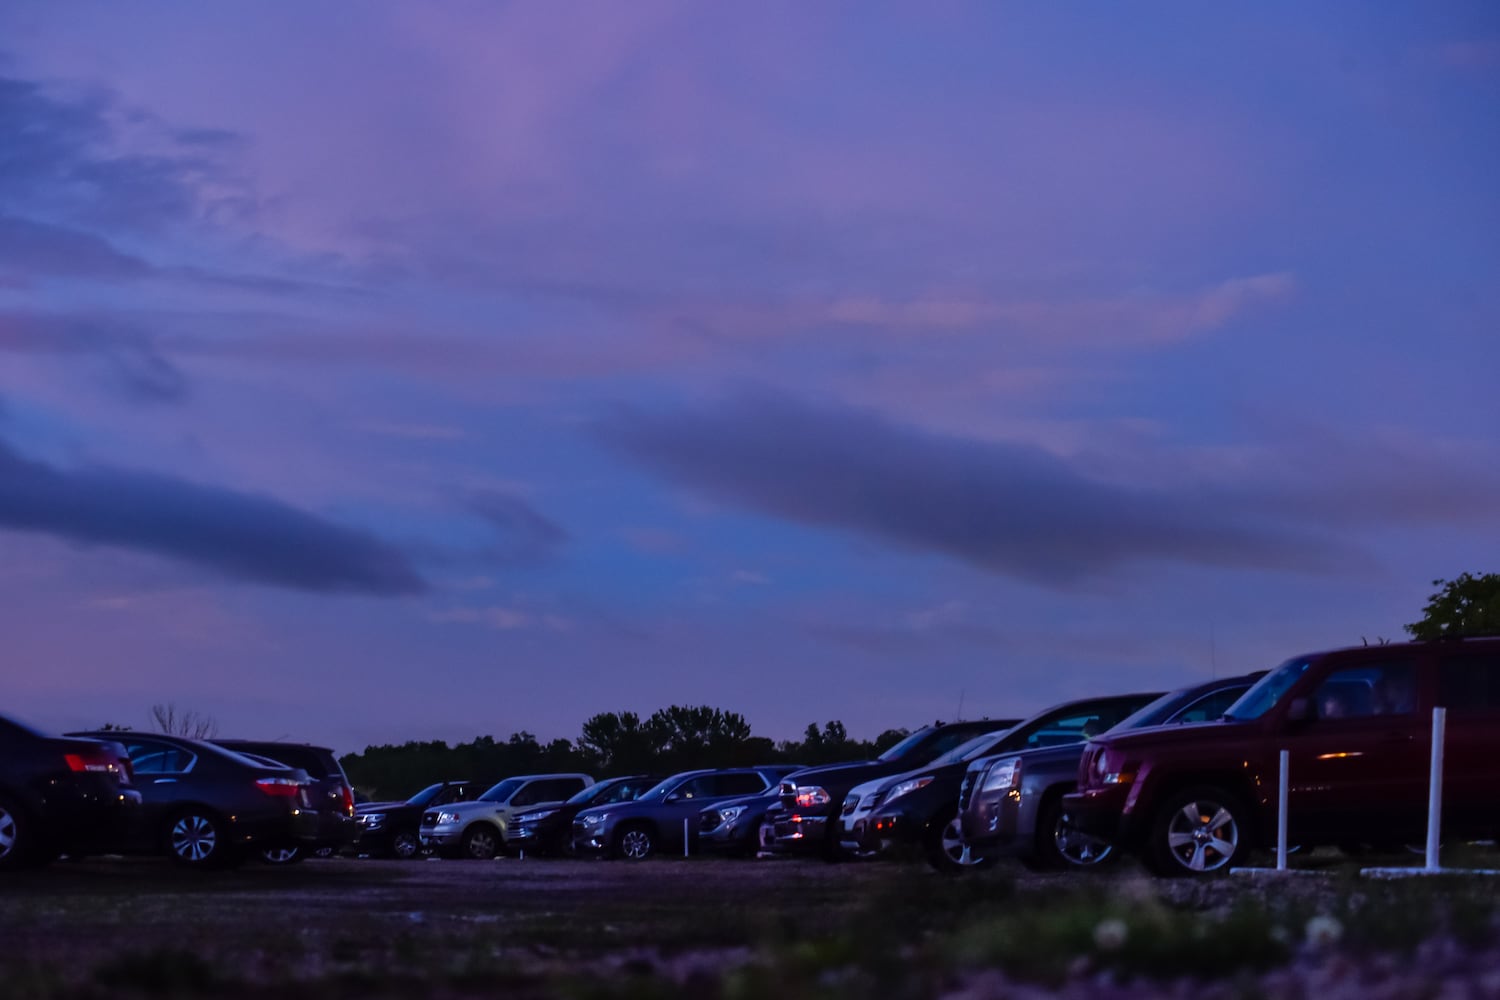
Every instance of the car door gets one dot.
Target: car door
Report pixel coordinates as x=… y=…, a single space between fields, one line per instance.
x=1358 y=765
x=1468 y=686
x=162 y=775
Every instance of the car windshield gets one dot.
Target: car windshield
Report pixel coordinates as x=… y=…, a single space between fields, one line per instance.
x=661 y=788
x=425 y=796
x=1267 y=691
x=904 y=747
x=502 y=791
x=966 y=751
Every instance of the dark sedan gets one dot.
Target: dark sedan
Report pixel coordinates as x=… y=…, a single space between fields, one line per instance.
x=60 y=796
x=332 y=795
x=549 y=830
x=207 y=807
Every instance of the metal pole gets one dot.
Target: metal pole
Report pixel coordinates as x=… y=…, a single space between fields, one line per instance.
x=1435 y=789
x=684 y=836
x=1281 y=799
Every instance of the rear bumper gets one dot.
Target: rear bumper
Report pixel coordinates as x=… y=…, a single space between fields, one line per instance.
x=90 y=820
x=799 y=834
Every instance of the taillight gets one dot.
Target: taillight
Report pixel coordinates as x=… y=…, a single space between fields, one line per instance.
x=96 y=761
x=348 y=799
x=280 y=788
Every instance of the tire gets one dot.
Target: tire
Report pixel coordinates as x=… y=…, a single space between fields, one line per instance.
x=406 y=845
x=480 y=842
x=1197 y=832
x=282 y=856
x=946 y=852
x=636 y=842
x=195 y=838
x=325 y=852
x=16 y=849
x=1060 y=846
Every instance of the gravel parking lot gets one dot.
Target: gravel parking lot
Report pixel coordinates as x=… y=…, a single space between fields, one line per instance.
x=542 y=928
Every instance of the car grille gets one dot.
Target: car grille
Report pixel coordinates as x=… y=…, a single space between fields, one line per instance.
x=966 y=790
x=850 y=803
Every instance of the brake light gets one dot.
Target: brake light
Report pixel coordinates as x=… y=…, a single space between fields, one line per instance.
x=97 y=761
x=348 y=799
x=280 y=788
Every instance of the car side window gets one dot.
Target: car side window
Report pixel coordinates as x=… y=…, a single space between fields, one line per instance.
x=557 y=789
x=150 y=757
x=740 y=784
x=947 y=741
x=529 y=794
x=1210 y=706
x=1369 y=690
x=696 y=788
x=1469 y=684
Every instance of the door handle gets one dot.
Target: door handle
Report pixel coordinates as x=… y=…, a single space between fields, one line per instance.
x=164 y=781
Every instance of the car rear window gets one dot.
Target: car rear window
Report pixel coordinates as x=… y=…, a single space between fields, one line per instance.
x=1469 y=683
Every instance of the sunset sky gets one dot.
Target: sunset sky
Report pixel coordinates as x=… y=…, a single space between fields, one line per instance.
x=387 y=371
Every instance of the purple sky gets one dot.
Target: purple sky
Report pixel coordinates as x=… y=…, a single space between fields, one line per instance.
x=407 y=371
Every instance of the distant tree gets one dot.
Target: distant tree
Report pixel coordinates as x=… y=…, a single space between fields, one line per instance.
x=115 y=727
x=1465 y=605
x=168 y=720
x=617 y=743
x=697 y=736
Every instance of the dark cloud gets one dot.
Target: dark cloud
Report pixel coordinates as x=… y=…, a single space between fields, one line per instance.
x=526 y=535
x=239 y=535
x=40 y=248
x=61 y=159
x=129 y=356
x=1008 y=508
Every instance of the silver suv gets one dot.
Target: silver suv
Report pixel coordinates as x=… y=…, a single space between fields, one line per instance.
x=477 y=829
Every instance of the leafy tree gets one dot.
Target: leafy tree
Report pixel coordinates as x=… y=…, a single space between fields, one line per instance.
x=1465 y=605
x=686 y=737
x=616 y=742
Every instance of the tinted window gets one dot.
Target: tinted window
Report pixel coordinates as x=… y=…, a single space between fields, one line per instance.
x=904 y=747
x=1469 y=683
x=605 y=792
x=1070 y=724
x=425 y=796
x=551 y=790
x=1209 y=707
x=503 y=791
x=949 y=741
x=149 y=757
x=1374 y=689
x=701 y=787
x=1268 y=690
x=740 y=784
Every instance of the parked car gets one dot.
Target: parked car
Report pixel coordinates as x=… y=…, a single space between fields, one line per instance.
x=549 y=829
x=1011 y=805
x=857 y=835
x=207 y=807
x=655 y=821
x=734 y=827
x=394 y=829
x=807 y=820
x=332 y=795
x=61 y=796
x=1192 y=800
x=476 y=829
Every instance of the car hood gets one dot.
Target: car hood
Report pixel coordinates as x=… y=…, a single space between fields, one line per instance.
x=377 y=807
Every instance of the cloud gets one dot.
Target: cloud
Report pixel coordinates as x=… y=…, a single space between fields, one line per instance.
x=41 y=248
x=526 y=535
x=238 y=535
x=1007 y=508
x=501 y=619
x=129 y=356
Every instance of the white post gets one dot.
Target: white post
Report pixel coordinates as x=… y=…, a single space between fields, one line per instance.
x=684 y=837
x=1281 y=800
x=1435 y=789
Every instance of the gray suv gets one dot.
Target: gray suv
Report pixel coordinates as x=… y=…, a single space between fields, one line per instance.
x=477 y=829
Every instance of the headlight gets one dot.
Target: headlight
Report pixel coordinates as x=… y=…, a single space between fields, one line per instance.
x=1108 y=777
x=447 y=817
x=812 y=796
x=907 y=787
x=730 y=814
x=533 y=817
x=370 y=819
x=1002 y=776
x=594 y=819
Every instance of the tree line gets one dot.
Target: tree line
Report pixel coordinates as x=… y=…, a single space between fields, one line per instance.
x=671 y=739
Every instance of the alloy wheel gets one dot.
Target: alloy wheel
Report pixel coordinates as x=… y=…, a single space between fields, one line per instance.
x=194 y=839
x=8 y=833
x=1083 y=850
x=953 y=846
x=635 y=844
x=281 y=855
x=481 y=844
x=405 y=845
x=1203 y=835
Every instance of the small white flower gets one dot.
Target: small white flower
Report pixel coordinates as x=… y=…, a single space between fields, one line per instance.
x=1110 y=934
x=1323 y=931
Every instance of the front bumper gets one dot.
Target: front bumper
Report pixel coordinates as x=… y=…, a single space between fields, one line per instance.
x=442 y=836
x=592 y=841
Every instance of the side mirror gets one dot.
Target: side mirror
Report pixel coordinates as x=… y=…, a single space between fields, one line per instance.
x=675 y=797
x=1300 y=710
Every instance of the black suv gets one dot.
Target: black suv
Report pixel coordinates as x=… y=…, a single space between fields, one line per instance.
x=811 y=800
x=332 y=795
x=394 y=829
x=60 y=796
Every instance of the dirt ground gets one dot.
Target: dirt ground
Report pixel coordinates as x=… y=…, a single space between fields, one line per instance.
x=526 y=928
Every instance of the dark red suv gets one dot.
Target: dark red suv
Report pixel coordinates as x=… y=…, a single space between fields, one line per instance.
x=1358 y=727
